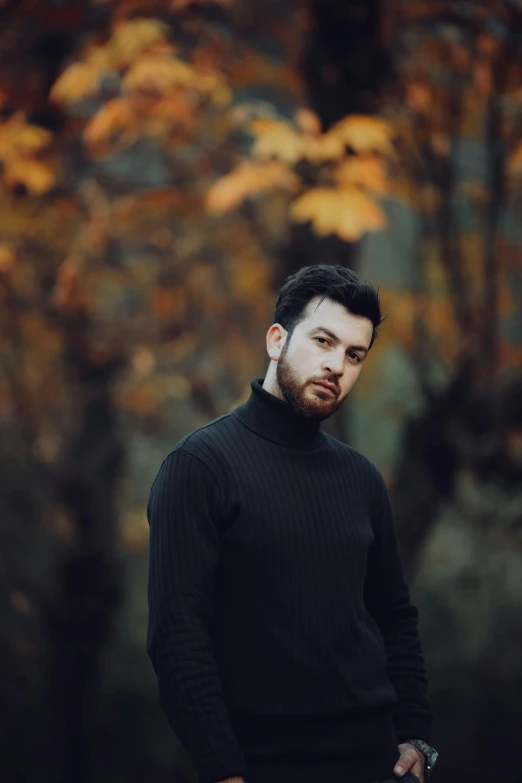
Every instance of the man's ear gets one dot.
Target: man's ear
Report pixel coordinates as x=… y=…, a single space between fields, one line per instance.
x=275 y=340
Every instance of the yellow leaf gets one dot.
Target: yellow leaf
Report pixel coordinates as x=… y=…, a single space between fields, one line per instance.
x=347 y=212
x=17 y=138
x=364 y=134
x=113 y=126
x=248 y=178
x=36 y=176
x=157 y=74
x=322 y=148
x=132 y=38
x=31 y=139
x=78 y=81
x=275 y=139
x=367 y=171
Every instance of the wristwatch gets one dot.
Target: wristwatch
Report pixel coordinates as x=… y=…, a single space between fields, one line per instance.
x=429 y=753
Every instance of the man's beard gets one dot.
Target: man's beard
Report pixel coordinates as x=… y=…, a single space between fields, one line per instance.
x=294 y=392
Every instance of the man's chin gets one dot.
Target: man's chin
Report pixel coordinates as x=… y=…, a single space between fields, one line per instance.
x=318 y=408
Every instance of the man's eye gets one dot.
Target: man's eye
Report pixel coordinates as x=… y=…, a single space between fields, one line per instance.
x=323 y=339
x=356 y=356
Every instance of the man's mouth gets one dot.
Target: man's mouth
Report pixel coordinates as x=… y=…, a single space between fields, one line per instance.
x=328 y=387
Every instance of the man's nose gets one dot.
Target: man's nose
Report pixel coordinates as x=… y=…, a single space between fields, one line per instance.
x=335 y=363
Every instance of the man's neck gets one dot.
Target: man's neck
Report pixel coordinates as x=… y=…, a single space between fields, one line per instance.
x=270 y=383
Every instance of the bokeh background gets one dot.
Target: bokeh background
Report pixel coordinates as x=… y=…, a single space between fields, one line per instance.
x=165 y=165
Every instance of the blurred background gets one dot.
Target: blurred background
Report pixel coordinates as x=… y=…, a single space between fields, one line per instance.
x=165 y=165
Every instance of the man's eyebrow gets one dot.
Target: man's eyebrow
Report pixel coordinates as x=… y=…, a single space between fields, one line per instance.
x=334 y=337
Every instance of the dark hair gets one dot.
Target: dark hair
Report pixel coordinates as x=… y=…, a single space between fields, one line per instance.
x=333 y=282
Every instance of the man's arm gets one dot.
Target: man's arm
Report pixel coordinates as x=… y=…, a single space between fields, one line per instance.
x=184 y=555
x=387 y=598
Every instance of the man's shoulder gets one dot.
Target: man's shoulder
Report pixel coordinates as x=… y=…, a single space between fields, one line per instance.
x=209 y=442
x=354 y=458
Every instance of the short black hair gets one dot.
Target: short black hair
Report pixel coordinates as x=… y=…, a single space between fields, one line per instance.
x=333 y=282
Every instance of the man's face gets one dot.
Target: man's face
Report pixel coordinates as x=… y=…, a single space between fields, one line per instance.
x=327 y=346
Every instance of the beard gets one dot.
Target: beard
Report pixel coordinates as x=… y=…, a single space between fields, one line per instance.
x=294 y=392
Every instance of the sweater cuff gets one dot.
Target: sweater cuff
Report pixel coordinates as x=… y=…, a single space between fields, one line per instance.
x=219 y=765
x=414 y=729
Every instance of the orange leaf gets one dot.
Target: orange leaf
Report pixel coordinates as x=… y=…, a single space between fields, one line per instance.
x=78 y=81
x=366 y=171
x=157 y=74
x=113 y=126
x=173 y=110
x=17 y=138
x=364 y=134
x=36 y=176
x=134 y=37
x=347 y=212
x=246 y=179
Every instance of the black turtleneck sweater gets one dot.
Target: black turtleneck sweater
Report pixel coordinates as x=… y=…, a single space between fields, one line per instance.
x=280 y=623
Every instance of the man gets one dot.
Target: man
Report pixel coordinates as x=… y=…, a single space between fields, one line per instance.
x=280 y=623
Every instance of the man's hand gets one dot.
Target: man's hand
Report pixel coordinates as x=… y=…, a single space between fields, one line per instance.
x=411 y=760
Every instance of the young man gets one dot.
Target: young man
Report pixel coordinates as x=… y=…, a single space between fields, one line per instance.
x=280 y=623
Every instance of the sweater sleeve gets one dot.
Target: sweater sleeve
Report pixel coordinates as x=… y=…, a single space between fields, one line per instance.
x=388 y=600
x=184 y=555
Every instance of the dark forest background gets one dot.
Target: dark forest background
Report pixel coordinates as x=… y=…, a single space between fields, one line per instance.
x=164 y=166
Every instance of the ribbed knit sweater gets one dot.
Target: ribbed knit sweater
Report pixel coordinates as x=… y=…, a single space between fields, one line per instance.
x=280 y=624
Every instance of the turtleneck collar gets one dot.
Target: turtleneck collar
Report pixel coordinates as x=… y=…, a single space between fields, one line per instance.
x=277 y=421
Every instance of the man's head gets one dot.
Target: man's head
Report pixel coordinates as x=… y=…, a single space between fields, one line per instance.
x=325 y=323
